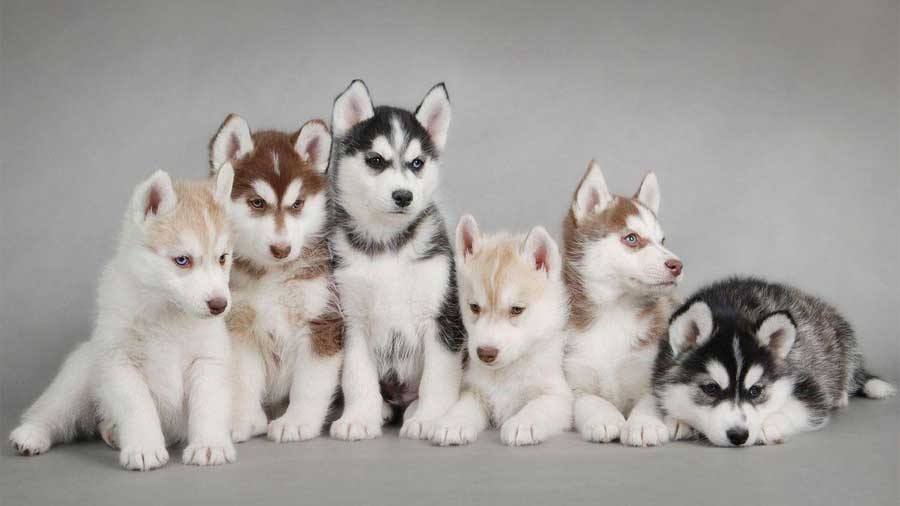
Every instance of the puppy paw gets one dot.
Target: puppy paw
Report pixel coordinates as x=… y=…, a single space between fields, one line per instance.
x=644 y=431
x=603 y=429
x=199 y=454
x=679 y=430
x=452 y=434
x=285 y=430
x=522 y=432
x=243 y=429
x=29 y=440
x=351 y=428
x=774 y=430
x=109 y=433
x=387 y=413
x=136 y=458
x=415 y=428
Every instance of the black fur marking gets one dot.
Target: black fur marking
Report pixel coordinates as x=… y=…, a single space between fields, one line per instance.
x=360 y=137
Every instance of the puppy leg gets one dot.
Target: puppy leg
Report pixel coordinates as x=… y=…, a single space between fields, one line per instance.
x=361 y=418
x=124 y=397
x=58 y=412
x=249 y=382
x=314 y=384
x=597 y=419
x=209 y=413
x=439 y=388
x=645 y=426
x=793 y=417
x=462 y=423
x=547 y=415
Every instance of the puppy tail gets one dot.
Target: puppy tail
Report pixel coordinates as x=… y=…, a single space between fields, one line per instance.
x=873 y=387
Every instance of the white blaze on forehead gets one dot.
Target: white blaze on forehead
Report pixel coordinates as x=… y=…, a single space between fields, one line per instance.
x=292 y=193
x=275 y=166
x=265 y=191
x=381 y=146
x=718 y=373
x=398 y=134
x=753 y=375
x=413 y=150
x=738 y=356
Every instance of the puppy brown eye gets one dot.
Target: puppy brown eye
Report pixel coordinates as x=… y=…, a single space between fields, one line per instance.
x=710 y=388
x=755 y=391
x=297 y=205
x=516 y=310
x=631 y=239
x=375 y=161
x=223 y=258
x=182 y=261
x=475 y=308
x=257 y=203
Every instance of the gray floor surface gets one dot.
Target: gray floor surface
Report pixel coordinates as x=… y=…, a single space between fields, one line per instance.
x=853 y=461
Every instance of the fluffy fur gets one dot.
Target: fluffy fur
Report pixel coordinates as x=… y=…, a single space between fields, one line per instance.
x=751 y=362
x=285 y=327
x=156 y=370
x=514 y=308
x=393 y=264
x=620 y=278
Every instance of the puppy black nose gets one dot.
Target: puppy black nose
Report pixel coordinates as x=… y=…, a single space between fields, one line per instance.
x=217 y=305
x=487 y=354
x=402 y=198
x=737 y=436
x=280 y=251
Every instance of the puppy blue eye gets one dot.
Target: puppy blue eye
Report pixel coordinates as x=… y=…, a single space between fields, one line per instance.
x=182 y=261
x=416 y=164
x=710 y=388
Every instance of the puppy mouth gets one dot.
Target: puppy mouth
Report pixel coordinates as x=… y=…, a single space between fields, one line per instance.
x=655 y=284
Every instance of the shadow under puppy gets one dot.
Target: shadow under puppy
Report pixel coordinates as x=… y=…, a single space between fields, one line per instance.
x=514 y=306
x=285 y=326
x=155 y=372
x=750 y=362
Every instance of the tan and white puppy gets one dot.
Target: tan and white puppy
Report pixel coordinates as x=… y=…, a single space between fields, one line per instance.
x=620 y=278
x=514 y=307
x=156 y=370
x=285 y=326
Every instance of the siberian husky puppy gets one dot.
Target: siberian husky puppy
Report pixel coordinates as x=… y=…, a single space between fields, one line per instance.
x=752 y=362
x=285 y=326
x=156 y=370
x=393 y=264
x=620 y=278
x=514 y=306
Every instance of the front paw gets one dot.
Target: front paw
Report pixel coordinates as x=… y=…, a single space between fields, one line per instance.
x=243 y=429
x=774 y=430
x=30 y=440
x=679 y=430
x=138 y=458
x=354 y=428
x=415 y=428
x=522 y=432
x=644 y=431
x=286 y=430
x=603 y=428
x=109 y=433
x=452 y=434
x=200 y=454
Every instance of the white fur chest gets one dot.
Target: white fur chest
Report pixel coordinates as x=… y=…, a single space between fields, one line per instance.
x=609 y=360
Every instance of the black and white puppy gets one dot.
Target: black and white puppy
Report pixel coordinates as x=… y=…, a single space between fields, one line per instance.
x=393 y=264
x=755 y=362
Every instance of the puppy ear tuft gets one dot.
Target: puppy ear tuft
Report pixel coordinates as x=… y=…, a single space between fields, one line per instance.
x=153 y=197
x=542 y=250
x=777 y=331
x=690 y=327
x=467 y=237
x=648 y=193
x=313 y=143
x=434 y=114
x=224 y=183
x=232 y=141
x=351 y=107
x=592 y=195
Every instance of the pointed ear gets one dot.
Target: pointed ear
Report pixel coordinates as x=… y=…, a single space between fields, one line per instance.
x=153 y=197
x=690 y=327
x=351 y=107
x=224 y=183
x=434 y=114
x=542 y=250
x=777 y=331
x=592 y=195
x=313 y=143
x=467 y=236
x=232 y=141
x=648 y=193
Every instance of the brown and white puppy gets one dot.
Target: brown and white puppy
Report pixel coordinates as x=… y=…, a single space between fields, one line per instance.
x=285 y=325
x=620 y=279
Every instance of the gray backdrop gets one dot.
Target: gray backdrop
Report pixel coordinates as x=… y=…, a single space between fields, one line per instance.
x=773 y=127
